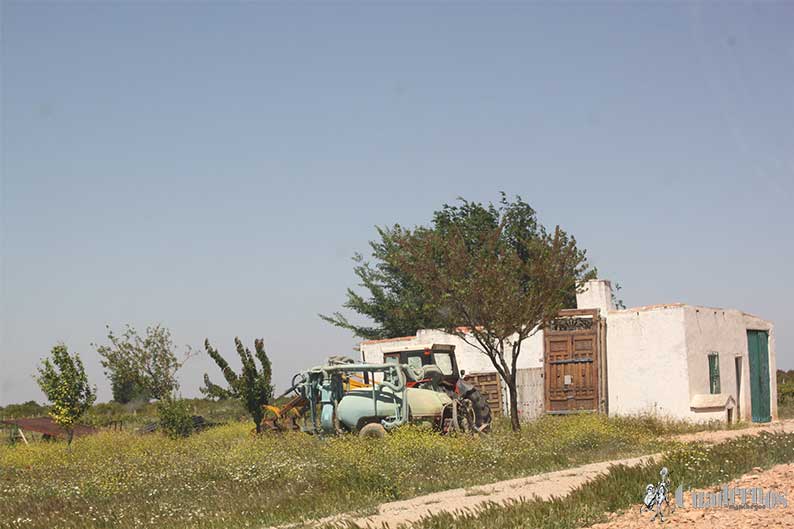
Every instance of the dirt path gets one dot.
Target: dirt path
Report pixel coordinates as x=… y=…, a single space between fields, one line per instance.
x=779 y=478
x=543 y=486
x=719 y=436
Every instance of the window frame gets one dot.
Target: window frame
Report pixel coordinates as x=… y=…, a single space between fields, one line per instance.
x=715 y=385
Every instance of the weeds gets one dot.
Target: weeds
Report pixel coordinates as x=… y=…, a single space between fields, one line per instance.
x=694 y=465
x=786 y=410
x=225 y=477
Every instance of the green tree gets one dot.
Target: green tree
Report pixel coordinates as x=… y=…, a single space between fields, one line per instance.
x=141 y=367
x=252 y=386
x=63 y=380
x=30 y=408
x=395 y=302
x=214 y=391
x=126 y=389
x=494 y=276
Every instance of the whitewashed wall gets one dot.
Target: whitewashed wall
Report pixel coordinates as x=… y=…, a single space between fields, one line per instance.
x=647 y=361
x=470 y=359
x=724 y=332
x=657 y=357
x=657 y=360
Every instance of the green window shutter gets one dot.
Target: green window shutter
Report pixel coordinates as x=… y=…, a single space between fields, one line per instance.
x=714 y=373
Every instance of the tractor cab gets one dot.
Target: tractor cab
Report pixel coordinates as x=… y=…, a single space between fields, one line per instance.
x=419 y=356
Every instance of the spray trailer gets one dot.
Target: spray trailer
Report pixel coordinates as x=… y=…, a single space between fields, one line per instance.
x=413 y=385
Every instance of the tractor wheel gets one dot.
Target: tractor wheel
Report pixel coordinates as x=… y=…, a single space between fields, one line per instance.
x=482 y=412
x=373 y=430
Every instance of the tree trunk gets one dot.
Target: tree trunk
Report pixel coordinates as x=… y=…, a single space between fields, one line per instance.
x=513 y=392
x=257 y=417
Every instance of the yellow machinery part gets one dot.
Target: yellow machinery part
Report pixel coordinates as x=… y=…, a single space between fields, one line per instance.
x=281 y=418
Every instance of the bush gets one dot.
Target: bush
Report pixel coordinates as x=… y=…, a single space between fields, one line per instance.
x=30 y=408
x=785 y=393
x=175 y=418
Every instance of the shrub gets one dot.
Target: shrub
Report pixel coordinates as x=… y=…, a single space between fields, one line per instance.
x=785 y=393
x=175 y=418
x=62 y=378
x=30 y=408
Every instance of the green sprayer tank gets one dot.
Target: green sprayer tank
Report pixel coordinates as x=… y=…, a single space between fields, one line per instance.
x=357 y=407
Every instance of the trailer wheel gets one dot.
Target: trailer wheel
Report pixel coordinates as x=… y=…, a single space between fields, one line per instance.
x=482 y=412
x=373 y=430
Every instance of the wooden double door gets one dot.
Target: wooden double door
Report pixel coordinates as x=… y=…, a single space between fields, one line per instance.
x=571 y=362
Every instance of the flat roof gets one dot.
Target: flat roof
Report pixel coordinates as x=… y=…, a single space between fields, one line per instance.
x=419 y=347
x=659 y=306
x=387 y=340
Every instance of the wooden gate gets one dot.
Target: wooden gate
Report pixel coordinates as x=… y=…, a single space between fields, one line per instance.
x=572 y=362
x=490 y=388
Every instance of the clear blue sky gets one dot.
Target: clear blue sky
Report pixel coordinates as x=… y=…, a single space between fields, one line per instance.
x=213 y=166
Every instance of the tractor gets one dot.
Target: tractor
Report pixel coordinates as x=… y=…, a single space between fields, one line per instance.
x=417 y=385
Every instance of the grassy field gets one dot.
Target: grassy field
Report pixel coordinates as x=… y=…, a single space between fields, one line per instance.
x=225 y=477
x=135 y=415
x=694 y=465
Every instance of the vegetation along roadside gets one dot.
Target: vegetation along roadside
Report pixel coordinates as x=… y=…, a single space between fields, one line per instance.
x=227 y=477
x=694 y=465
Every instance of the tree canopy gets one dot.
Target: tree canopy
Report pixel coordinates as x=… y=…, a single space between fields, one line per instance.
x=494 y=276
x=252 y=386
x=141 y=367
x=394 y=301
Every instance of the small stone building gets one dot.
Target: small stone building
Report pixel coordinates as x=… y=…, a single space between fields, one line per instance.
x=691 y=362
x=674 y=360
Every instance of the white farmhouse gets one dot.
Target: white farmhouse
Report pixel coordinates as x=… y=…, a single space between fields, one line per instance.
x=675 y=360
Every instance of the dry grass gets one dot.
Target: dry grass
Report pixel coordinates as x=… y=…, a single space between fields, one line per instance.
x=225 y=477
x=693 y=464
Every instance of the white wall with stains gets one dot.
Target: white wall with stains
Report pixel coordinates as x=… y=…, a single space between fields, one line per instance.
x=656 y=357
x=470 y=359
x=647 y=361
x=724 y=331
x=657 y=361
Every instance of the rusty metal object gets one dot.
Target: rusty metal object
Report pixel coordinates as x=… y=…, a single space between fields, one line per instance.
x=284 y=418
x=46 y=426
x=281 y=424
